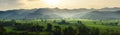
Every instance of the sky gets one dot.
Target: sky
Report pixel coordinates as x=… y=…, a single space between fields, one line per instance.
x=70 y=4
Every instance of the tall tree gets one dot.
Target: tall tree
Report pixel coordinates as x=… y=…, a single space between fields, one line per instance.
x=69 y=31
x=49 y=29
x=2 y=30
x=57 y=30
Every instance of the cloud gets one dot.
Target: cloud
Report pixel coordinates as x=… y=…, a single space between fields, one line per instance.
x=13 y=4
x=9 y=4
x=33 y=0
x=31 y=4
x=16 y=4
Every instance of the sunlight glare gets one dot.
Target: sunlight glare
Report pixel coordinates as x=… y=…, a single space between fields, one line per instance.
x=52 y=2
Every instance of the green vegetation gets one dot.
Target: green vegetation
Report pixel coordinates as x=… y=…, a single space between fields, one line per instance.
x=60 y=27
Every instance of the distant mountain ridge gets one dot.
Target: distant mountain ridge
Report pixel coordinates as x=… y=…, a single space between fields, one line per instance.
x=47 y=13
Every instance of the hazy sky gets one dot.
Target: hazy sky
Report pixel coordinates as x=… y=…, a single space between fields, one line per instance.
x=16 y=4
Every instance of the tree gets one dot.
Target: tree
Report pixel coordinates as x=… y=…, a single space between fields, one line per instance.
x=57 y=30
x=2 y=30
x=55 y=21
x=83 y=30
x=79 y=22
x=69 y=31
x=49 y=29
x=63 y=22
x=95 y=31
x=116 y=23
x=94 y=22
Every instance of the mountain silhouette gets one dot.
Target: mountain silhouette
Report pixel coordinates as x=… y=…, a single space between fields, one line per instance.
x=47 y=13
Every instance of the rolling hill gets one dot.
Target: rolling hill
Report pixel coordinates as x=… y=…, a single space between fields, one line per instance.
x=47 y=13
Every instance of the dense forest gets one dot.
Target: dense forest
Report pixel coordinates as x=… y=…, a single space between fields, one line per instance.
x=58 y=27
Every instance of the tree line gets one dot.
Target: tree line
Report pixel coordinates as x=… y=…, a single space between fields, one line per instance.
x=30 y=29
